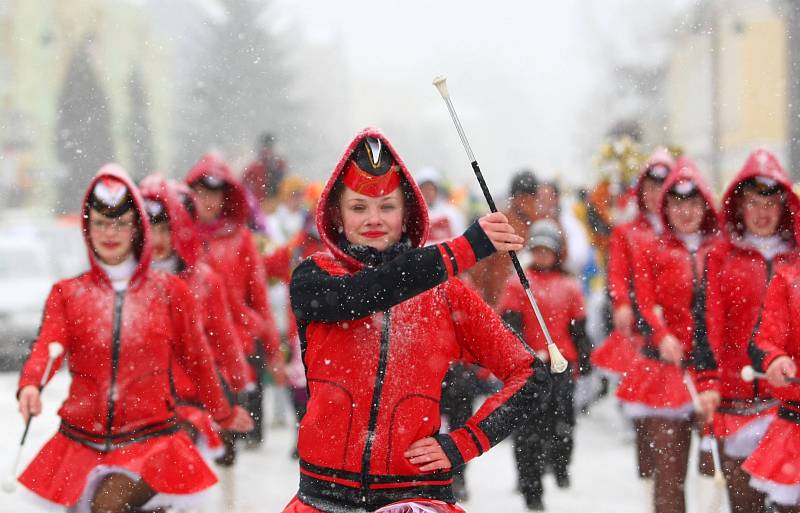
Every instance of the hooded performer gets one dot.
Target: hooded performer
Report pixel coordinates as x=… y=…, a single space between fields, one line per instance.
x=670 y=287
x=176 y=250
x=380 y=320
x=122 y=325
x=617 y=354
x=230 y=250
x=758 y=210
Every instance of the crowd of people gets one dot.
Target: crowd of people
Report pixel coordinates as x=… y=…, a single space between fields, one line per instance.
x=396 y=313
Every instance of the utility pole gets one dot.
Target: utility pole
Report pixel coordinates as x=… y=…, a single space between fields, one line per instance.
x=793 y=89
x=715 y=28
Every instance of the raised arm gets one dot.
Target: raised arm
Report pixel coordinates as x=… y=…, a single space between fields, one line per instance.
x=318 y=295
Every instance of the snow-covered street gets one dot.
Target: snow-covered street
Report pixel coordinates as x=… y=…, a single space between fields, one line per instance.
x=603 y=470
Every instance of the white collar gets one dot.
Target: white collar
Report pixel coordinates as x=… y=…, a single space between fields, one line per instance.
x=768 y=246
x=120 y=274
x=169 y=265
x=692 y=241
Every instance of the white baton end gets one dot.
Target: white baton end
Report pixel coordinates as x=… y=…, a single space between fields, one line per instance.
x=748 y=374
x=557 y=362
x=55 y=349
x=441 y=85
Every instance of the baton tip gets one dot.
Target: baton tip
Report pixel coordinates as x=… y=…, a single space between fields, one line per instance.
x=557 y=362
x=441 y=84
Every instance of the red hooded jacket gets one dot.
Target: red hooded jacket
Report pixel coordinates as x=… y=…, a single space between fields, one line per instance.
x=627 y=241
x=670 y=285
x=120 y=345
x=208 y=289
x=561 y=302
x=232 y=253
x=377 y=342
x=738 y=276
x=670 y=288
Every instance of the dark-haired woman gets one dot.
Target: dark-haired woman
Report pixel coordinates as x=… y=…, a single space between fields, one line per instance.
x=380 y=320
x=670 y=290
x=629 y=242
x=758 y=212
x=118 y=447
x=176 y=250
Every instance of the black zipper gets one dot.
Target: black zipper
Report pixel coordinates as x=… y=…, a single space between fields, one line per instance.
x=119 y=297
x=756 y=394
x=376 y=399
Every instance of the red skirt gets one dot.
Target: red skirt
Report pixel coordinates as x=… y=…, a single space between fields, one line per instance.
x=728 y=424
x=169 y=464
x=422 y=505
x=655 y=384
x=617 y=354
x=777 y=457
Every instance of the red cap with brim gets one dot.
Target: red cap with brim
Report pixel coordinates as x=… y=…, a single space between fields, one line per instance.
x=370 y=185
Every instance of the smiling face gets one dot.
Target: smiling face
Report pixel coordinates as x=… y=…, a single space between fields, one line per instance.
x=685 y=215
x=761 y=214
x=374 y=222
x=112 y=238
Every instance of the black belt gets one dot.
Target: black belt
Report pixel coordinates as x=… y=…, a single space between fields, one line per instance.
x=790 y=414
x=745 y=407
x=327 y=495
x=110 y=442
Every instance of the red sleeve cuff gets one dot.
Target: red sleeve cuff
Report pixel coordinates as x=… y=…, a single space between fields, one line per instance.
x=457 y=255
x=470 y=442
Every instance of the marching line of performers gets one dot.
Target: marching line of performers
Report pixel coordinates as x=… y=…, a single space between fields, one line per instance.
x=399 y=315
x=698 y=295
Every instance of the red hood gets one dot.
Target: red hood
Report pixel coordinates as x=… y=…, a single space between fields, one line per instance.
x=759 y=163
x=686 y=170
x=211 y=164
x=660 y=156
x=417 y=212
x=142 y=250
x=185 y=240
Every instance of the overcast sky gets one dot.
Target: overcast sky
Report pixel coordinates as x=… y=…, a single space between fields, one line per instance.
x=530 y=80
x=533 y=81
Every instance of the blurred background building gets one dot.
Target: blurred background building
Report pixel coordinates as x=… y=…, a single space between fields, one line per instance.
x=731 y=84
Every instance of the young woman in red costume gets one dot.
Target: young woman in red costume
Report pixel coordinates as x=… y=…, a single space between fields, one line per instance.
x=670 y=287
x=561 y=299
x=773 y=466
x=616 y=354
x=176 y=250
x=628 y=242
x=230 y=251
x=122 y=324
x=380 y=320
x=758 y=211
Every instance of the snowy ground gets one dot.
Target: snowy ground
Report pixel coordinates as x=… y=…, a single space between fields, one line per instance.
x=603 y=469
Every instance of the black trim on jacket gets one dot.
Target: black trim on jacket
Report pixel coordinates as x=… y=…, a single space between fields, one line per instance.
x=526 y=401
x=331 y=497
x=318 y=296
